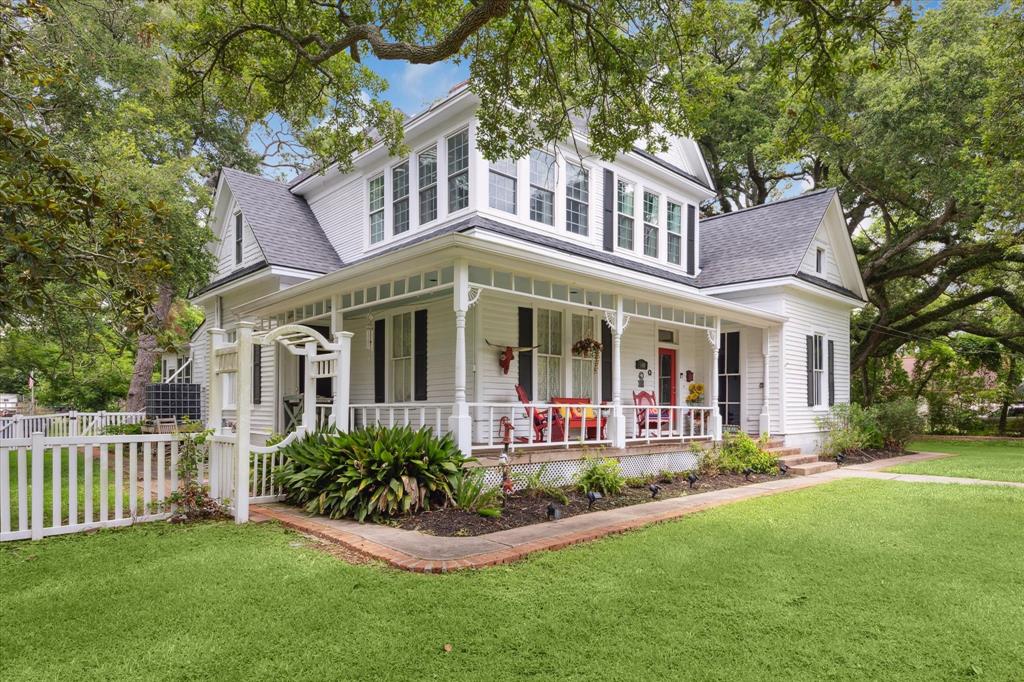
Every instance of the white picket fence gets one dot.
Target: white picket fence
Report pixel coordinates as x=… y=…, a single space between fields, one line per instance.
x=65 y=424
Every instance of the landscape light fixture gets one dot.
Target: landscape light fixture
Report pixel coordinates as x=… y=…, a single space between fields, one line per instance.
x=592 y=497
x=655 y=489
x=554 y=513
x=747 y=472
x=783 y=468
x=840 y=458
x=691 y=478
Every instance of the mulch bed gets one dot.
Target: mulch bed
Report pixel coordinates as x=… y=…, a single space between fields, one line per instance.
x=869 y=455
x=522 y=510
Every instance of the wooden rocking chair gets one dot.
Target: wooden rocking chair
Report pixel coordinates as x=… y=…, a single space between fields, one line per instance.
x=650 y=417
x=539 y=417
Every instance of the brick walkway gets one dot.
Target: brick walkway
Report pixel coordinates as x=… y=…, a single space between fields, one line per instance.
x=413 y=551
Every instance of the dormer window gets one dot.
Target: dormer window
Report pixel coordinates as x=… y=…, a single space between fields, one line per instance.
x=542 y=187
x=650 y=224
x=377 y=209
x=819 y=261
x=624 y=203
x=238 y=238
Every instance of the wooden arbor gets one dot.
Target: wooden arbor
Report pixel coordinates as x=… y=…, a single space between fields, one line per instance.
x=323 y=359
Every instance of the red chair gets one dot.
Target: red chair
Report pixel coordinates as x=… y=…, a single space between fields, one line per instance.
x=650 y=417
x=540 y=417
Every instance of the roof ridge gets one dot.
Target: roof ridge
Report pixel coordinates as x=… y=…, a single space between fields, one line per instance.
x=805 y=195
x=255 y=176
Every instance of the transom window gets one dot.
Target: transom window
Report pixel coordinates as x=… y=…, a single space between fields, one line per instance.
x=542 y=187
x=625 y=207
x=238 y=238
x=502 y=185
x=377 y=209
x=427 y=164
x=674 y=233
x=549 y=354
x=400 y=197
x=577 y=199
x=458 y=171
x=650 y=224
x=401 y=358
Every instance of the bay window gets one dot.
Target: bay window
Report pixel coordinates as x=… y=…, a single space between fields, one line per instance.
x=400 y=198
x=577 y=199
x=427 y=166
x=377 y=209
x=624 y=204
x=502 y=185
x=458 y=171
x=542 y=187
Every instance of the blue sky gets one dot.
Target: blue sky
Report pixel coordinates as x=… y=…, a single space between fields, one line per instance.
x=414 y=86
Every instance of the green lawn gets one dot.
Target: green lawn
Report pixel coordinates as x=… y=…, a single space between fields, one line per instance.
x=991 y=460
x=858 y=579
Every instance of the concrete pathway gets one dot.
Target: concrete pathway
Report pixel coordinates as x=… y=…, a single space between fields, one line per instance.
x=414 y=551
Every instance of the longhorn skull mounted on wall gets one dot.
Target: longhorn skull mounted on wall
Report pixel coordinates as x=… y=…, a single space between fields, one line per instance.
x=508 y=353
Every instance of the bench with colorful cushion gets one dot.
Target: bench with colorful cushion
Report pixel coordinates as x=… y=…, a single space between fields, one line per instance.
x=580 y=415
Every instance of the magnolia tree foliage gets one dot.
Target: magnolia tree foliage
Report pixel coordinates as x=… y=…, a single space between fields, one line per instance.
x=634 y=71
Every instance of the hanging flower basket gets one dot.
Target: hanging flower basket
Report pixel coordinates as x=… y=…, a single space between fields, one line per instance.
x=588 y=348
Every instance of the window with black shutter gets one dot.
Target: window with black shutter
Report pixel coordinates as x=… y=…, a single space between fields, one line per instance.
x=379 y=362
x=526 y=356
x=831 y=373
x=691 y=239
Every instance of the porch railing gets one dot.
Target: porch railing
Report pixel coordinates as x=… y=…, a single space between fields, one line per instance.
x=648 y=423
x=65 y=424
x=415 y=415
x=541 y=424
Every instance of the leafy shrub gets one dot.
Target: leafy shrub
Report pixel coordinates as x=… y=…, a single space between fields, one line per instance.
x=666 y=476
x=470 y=493
x=601 y=475
x=537 y=485
x=739 y=452
x=191 y=500
x=123 y=429
x=708 y=458
x=638 y=481
x=848 y=428
x=370 y=473
x=898 y=422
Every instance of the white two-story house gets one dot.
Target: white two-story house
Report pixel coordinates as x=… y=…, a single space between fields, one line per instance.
x=576 y=300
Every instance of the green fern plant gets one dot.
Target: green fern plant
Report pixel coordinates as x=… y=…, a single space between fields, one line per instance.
x=537 y=485
x=601 y=475
x=470 y=493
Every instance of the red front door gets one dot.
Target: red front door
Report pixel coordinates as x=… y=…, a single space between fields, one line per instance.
x=666 y=376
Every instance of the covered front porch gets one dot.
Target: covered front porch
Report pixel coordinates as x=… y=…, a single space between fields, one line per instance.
x=504 y=349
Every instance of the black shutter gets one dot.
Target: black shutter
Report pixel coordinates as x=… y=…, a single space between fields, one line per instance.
x=691 y=239
x=419 y=353
x=379 y=358
x=526 y=356
x=257 y=373
x=606 y=362
x=831 y=372
x=810 y=371
x=609 y=210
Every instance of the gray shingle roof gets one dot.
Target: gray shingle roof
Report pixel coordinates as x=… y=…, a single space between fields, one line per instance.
x=760 y=242
x=285 y=227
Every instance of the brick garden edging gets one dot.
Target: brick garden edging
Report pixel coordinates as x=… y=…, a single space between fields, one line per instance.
x=413 y=551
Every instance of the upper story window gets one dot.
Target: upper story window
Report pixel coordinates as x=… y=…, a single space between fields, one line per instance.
x=377 y=209
x=651 y=224
x=458 y=171
x=238 y=238
x=624 y=204
x=502 y=185
x=542 y=187
x=427 y=160
x=819 y=261
x=691 y=239
x=674 y=233
x=577 y=199
x=400 y=198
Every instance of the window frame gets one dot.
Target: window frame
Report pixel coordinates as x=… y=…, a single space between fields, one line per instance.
x=670 y=235
x=570 y=200
x=620 y=215
x=371 y=211
x=409 y=360
x=503 y=172
x=542 y=357
x=452 y=176
x=819 y=260
x=551 y=192
x=421 y=189
x=239 y=237
x=396 y=201
x=649 y=227
x=818 y=369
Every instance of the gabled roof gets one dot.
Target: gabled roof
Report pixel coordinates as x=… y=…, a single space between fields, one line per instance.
x=761 y=242
x=283 y=224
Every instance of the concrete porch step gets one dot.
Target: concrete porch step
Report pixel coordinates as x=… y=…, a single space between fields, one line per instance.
x=794 y=457
x=811 y=468
x=785 y=452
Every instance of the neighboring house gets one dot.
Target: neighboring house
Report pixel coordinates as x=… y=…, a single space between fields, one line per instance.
x=433 y=259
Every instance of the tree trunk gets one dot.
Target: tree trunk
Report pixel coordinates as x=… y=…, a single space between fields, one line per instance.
x=147 y=351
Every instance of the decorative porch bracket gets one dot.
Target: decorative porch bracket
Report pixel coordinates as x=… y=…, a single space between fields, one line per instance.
x=617 y=322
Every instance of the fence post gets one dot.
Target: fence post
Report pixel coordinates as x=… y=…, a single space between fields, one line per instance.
x=37 y=485
x=73 y=423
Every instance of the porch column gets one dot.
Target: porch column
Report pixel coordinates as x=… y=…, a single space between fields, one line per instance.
x=616 y=420
x=764 y=421
x=309 y=390
x=342 y=379
x=215 y=382
x=460 y=423
x=243 y=427
x=714 y=337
